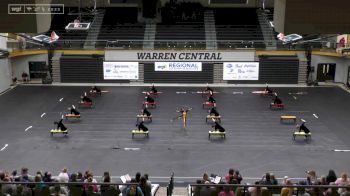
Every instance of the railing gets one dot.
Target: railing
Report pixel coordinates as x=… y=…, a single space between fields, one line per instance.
x=176 y=44
x=242 y=189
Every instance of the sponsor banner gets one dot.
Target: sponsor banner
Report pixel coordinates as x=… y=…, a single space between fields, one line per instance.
x=241 y=71
x=120 y=70
x=178 y=56
x=177 y=66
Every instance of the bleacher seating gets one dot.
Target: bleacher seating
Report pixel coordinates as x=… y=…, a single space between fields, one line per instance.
x=182 y=26
x=121 y=29
x=238 y=28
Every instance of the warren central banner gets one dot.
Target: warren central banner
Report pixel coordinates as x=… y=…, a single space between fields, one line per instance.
x=177 y=66
x=179 y=56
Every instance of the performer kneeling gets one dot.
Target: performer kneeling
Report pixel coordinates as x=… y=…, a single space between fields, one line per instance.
x=141 y=127
x=145 y=112
x=60 y=125
x=277 y=100
x=303 y=128
x=84 y=98
x=218 y=127
x=73 y=110
x=213 y=112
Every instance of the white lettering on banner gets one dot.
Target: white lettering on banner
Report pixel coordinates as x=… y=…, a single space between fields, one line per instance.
x=241 y=71
x=121 y=70
x=178 y=56
x=177 y=66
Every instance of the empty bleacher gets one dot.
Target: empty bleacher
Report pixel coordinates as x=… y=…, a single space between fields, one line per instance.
x=238 y=28
x=121 y=29
x=182 y=26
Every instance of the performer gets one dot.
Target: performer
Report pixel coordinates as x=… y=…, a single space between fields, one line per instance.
x=94 y=89
x=149 y=99
x=153 y=89
x=218 y=127
x=303 y=128
x=213 y=112
x=60 y=125
x=84 y=98
x=141 y=127
x=73 y=110
x=183 y=114
x=212 y=100
x=268 y=90
x=145 y=112
x=208 y=90
x=277 y=100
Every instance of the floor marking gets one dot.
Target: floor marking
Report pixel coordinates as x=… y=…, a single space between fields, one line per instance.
x=2 y=149
x=295 y=97
x=298 y=93
x=28 y=128
x=315 y=115
x=182 y=92
x=43 y=114
x=237 y=92
x=104 y=91
x=337 y=150
x=132 y=149
x=61 y=99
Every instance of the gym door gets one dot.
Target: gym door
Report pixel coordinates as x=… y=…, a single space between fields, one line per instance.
x=325 y=72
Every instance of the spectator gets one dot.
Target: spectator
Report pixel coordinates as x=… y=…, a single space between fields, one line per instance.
x=273 y=179
x=226 y=192
x=342 y=181
x=134 y=190
x=88 y=186
x=237 y=176
x=287 y=191
x=229 y=176
x=138 y=177
x=25 y=77
x=148 y=181
x=109 y=189
x=58 y=190
x=331 y=191
x=266 y=179
x=311 y=177
x=63 y=175
x=254 y=191
x=47 y=177
x=331 y=177
x=146 y=189
x=207 y=190
x=205 y=178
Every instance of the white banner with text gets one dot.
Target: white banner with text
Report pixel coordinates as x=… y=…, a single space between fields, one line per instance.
x=121 y=70
x=177 y=66
x=241 y=71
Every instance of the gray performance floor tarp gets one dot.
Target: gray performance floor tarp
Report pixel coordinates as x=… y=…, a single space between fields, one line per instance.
x=256 y=142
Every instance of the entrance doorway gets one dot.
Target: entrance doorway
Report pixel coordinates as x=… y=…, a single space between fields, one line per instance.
x=326 y=72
